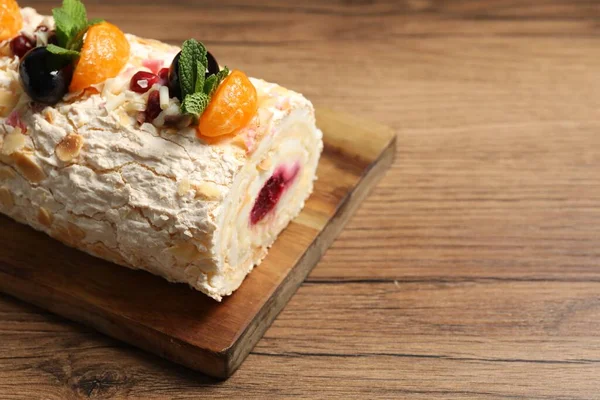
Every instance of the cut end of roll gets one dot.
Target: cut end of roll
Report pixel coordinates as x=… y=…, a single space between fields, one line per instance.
x=267 y=194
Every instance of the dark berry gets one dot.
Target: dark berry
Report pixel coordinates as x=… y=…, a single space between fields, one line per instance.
x=142 y=81
x=20 y=45
x=45 y=76
x=52 y=38
x=174 y=85
x=213 y=65
x=153 y=107
x=163 y=75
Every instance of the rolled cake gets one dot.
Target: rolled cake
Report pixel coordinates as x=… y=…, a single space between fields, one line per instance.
x=151 y=195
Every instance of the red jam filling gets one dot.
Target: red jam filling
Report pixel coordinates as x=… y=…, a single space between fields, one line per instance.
x=272 y=191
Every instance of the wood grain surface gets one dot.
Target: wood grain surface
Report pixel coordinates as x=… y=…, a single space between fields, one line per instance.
x=184 y=325
x=471 y=272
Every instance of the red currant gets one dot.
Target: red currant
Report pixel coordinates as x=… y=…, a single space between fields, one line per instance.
x=20 y=45
x=153 y=108
x=142 y=81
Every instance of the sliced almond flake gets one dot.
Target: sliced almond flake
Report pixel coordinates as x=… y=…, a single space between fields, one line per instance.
x=239 y=141
x=134 y=106
x=49 y=115
x=76 y=233
x=13 y=142
x=124 y=119
x=45 y=217
x=7 y=173
x=115 y=101
x=207 y=191
x=28 y=167
x=102 y=251
x=70 y=234
x=8 y=100
x=68 y=149
x=5 y=50
x=184 y=187
x=6 y=198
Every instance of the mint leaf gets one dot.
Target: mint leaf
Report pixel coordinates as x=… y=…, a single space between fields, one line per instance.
x=195 y=104
x=76 y=10
x=200 y=78
x=61 y=51
x=95 y=21
x=76 y=42
x=71 y=24
x=210 y=84
x=196 y=87
x=64 y=26
x=192 y=54
x=222 y=74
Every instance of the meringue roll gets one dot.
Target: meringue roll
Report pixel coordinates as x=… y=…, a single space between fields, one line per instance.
x=94 y=172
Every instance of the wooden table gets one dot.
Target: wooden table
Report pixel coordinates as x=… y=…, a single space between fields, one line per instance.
x=473 y=271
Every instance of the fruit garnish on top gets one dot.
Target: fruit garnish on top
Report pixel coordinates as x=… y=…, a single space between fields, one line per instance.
x=81 y=53
x=232 y=107
x=11 y=21
x=104 y=53
x=217 y=102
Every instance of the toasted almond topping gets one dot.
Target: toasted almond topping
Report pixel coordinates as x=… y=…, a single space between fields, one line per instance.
x=133 y=106
x=76 y=233
x=6 y=173
x=239 y=141
x=8 y=100
x=69 y=148
x=115 y=101
x=5 y=50
x=44 y=217
x=13 y=142
x=264 y=164
x=6 y=198
x=70 y=234
x=102 y=251
x=184 y=187
x=207 y=191
x=28 y=168
x=49 y=115
x=124 y=119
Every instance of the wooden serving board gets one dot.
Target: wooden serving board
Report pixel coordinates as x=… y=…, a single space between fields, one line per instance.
x=174 y=321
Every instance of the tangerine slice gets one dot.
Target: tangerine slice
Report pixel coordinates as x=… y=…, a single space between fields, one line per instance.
x=232 y=106
x=11 y=20
x=104 y=53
